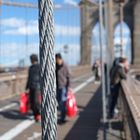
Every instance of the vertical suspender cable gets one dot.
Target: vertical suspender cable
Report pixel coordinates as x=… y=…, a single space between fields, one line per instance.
x=121 y=30
x=66 y=45
x=75 y=42
x=26 y=36
x=110 y=29
x=58 y=13
x=69 y=41
x=0 y=32
x=102 y=61
x=108 y=58
x=47 y=72
x=61 y=12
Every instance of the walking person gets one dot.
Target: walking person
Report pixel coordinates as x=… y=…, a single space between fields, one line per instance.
x=118 y=73
x=96 y=68
x=33 y=85
x=63 y=83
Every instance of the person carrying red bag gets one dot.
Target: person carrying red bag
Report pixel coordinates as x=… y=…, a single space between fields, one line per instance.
x=33 y=85
x=71 y=105
x=24 y=102
x=63 y=84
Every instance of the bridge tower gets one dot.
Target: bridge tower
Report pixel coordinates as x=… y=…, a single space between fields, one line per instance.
x=87 y=10
x=136 y=32
x=132 y=19
x=89 y=17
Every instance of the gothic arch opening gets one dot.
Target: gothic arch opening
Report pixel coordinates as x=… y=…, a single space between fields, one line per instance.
x=126 y=41
x=96 y=51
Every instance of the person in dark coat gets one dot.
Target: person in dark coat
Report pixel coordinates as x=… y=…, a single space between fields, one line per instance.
x=96 y=68
x=118 y=73
x=33 y=85
x=63 y=83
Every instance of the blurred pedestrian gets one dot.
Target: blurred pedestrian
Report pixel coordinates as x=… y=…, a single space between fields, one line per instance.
x=33 y=85
x=115 y=63
x=63 y=83
x=96 y=68
x=118 y=73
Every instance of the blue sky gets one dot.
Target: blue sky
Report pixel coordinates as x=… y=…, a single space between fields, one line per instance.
x=19 y=33
x=13 y=40
x=19 y=30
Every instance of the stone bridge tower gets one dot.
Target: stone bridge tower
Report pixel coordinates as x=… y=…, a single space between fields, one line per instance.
x=89 y=17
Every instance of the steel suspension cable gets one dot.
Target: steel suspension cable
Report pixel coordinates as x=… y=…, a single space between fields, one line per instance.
x=47 y=72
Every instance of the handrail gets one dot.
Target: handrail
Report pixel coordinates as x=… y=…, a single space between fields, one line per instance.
x=23 y=74
x=135 y=71
x=13 y=76
x=131 y=98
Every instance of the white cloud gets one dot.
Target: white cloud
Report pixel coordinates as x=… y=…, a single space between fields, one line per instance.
x=57 y=6
x=67 y=30
x=11 y=53
x=125 y=30
x=96 y=30
x=19 y=49
x=71 y=2
x=12 y=22
x=30 y=30
x=117 y=40
x=14 y=26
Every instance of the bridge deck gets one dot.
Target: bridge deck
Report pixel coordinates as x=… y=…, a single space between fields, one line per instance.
x=86 y=126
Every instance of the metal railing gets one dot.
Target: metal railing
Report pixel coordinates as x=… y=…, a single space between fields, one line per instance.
x=130 y=107
x=14 y=83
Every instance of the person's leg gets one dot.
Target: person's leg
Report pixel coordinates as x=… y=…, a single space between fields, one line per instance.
x=112 y=106
x=114 y=99
x=59 y=100
x=37 y=105
x=63 y=111
x=58 y=92
x=31 y=100
x=63 y=104
x=96 y=74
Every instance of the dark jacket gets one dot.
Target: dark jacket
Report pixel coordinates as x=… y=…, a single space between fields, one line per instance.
x=62 y=76
x=117 y=74
x=33 y=81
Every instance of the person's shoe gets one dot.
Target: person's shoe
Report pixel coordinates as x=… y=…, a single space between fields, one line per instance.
x=61 y=122
x=37 y=118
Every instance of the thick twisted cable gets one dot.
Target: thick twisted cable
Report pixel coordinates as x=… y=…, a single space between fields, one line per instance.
x=47 y=62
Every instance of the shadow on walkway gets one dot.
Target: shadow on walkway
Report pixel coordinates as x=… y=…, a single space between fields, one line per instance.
x=88 y=123
x=15 y=115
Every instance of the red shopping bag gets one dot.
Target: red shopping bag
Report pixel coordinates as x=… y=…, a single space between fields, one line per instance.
x=24 y=102
x=71 y=106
